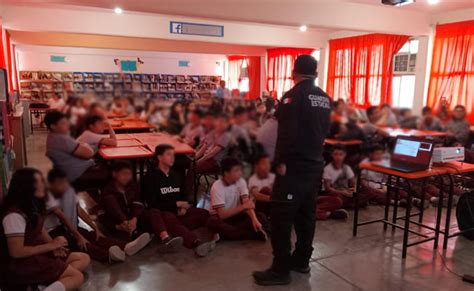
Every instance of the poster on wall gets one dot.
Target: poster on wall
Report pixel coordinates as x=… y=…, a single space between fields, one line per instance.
x=128 y=66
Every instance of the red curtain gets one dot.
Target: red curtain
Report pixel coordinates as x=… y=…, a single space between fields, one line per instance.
x=253 y=70
x=280 y=66
x=452 y=68
x=360 y=68
x=2 y=46
x=9 y=60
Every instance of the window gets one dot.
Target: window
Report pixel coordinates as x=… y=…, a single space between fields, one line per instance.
x=404 y=79
x=317 y=55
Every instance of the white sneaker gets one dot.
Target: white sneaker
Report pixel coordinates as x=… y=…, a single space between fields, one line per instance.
x=138 y=244
x=116 y=254
x=205 y=248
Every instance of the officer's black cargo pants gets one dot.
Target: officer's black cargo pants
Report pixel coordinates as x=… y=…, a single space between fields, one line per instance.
x=294 y=203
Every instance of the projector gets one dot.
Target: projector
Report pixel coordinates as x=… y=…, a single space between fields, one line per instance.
x=451 y=154
x=397 y=2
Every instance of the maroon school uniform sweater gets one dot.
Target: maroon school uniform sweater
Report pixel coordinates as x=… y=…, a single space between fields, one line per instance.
x=121 y=206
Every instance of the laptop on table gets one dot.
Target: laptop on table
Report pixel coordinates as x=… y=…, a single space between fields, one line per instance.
x=411 y=154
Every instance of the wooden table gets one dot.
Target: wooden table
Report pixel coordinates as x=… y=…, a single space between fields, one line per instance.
x=143 y=140
x=128 y=125
x=397 y=186
x=40 y=111
x=394 y=132
x=454 y=169
x=332 y=141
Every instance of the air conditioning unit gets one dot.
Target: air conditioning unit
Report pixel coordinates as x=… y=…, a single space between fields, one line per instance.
x=404 y=63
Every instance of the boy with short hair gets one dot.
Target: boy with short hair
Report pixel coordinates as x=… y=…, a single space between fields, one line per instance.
x=63 y=220
x=94 y=133
x=238 y=130
x=72 y=157
x=233 y=213
x=458 y=126
x=370 y=128
x=339 y=182
x=429 y=121
x=192 y=131
x=124 y=212
x=261 y=184
x=163 y=191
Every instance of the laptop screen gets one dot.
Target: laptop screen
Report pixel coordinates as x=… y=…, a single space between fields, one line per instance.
x=412 y=151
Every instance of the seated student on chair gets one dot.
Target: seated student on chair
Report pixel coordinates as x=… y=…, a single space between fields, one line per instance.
x=212 y=149
x=371 y=130
x=459 y=127
x=238 y=131
x=233 y=212
x=34 y=258
x=125 y=213
x=72 y=157
x=429 y=121
x=63 y=220
x=261 y=184
x=193 y=130
x=94 y=133
x=163 y=190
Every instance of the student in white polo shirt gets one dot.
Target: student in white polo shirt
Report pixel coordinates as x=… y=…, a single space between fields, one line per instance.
x=261 y=184
x=233 y=212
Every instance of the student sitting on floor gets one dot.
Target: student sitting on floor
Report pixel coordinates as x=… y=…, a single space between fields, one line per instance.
x=72 y=157
x=193 y=130
x=63 y=220
x=371 y=182
x=261 y=184
x=94 y=133
x=124 y=212
x=163 y=190
x=34 y=257
x=458 y=127
x=233 y=212
x=339 y=182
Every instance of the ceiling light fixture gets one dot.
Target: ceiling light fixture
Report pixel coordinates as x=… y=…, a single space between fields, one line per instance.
x=118 y=10
x=433 y=2
x=303 y=28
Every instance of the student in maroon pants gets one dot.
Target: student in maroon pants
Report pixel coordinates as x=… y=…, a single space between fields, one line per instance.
x=234 y=216
x=63 y=220
x=124 y=211
x=163 y=191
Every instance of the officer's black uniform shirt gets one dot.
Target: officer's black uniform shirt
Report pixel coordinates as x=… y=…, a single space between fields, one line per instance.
x=303 y=124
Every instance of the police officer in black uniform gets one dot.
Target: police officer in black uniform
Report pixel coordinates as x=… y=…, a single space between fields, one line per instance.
x=303 y=123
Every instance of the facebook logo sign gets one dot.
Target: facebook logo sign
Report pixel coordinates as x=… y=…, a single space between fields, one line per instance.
x=200 y=29
x=176 y=27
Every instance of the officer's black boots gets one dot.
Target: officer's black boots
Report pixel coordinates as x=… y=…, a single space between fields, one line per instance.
x=271 y=278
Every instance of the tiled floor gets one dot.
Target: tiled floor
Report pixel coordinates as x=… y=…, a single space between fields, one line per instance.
x=370 y=261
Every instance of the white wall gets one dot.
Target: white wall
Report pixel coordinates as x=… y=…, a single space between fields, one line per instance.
x=37 y=58
x=105 y=22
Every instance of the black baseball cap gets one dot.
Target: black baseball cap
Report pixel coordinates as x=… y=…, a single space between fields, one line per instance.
x=305 y=65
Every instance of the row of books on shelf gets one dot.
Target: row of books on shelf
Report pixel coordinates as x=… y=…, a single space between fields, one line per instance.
x=29 y=76
x=111 y=87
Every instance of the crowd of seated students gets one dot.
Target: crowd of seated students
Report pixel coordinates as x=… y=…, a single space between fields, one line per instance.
x=233 y=139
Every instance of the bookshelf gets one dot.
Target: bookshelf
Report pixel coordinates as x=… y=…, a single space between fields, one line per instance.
x=39 y=85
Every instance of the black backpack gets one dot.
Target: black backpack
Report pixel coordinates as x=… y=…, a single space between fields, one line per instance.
x=465 y=214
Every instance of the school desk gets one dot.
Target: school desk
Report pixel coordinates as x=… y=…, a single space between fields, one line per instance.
x=126 y=125
x=394 y=132
x=132 y=152
x=128 y=142
x=40 y=112
x=332 y=141
x=456 y=171
x=396 y=182
x=151 y=140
